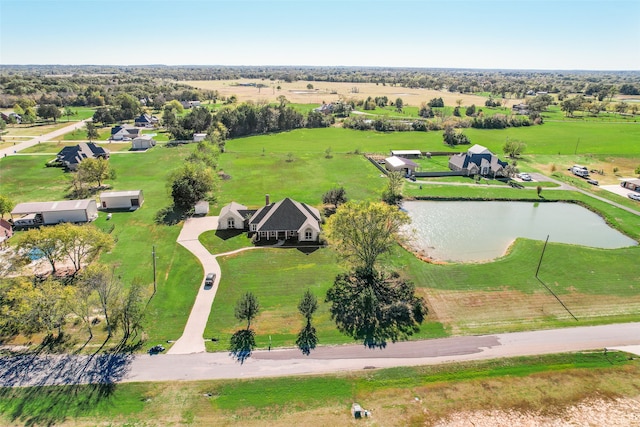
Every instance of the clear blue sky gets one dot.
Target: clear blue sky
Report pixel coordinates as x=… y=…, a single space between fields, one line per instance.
x=511 y=34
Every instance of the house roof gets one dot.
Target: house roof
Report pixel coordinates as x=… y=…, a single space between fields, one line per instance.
x=143 y=118
x=232 y=207
x=396 y=161
x=479 y=149
x=145 y=137
x=85 y=150
x=286 y=214
x=40 y=207
x=127 y=128
x=401 y=153
x=129 y=193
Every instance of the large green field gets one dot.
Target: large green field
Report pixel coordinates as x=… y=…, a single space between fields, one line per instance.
x=462 y=298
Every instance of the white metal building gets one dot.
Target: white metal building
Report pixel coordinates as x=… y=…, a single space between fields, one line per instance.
x=143 y=142
x=132 y=199
x=47 y=213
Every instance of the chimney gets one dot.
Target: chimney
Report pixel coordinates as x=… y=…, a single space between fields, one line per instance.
x=266 y=200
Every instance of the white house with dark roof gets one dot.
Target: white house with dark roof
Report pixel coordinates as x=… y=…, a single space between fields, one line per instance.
x=478 y=160
x=145 y=121
x=283 y=220
x=124 y=133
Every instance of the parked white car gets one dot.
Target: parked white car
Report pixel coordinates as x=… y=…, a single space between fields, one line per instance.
x=525 y=177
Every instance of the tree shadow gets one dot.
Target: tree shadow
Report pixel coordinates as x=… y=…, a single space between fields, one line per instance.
x=241 y=344
x=169 y=216
x=307 y=339
x=47 y=389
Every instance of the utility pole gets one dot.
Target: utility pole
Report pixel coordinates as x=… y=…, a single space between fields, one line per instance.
x=153 y=255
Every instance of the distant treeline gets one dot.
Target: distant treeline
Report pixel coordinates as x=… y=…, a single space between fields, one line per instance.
x=69 y=85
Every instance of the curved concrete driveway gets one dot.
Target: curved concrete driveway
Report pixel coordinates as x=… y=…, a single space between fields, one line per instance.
x=192 y=340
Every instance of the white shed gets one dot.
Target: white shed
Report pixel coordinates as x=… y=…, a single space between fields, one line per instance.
x=197 y=137
x=47 y=213
x=132 y=199
x=201 y=208
x=407 y=154
x=143 y=142
x=400 y=164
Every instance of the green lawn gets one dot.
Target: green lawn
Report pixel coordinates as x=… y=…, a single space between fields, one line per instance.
x=81 y=134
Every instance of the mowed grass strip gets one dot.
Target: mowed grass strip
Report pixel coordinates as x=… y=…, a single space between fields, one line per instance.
x=399 y=396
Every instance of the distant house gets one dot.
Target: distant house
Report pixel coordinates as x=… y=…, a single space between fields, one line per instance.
x=145 y=121
x=49 y=213
x=143 y=142
x=190 y=104
x=400 y=164
x=132 y=199
x=124 y=133
x=407 y=154
x=283 y=220
x=325 y=108
x=478 y=160
x=197 y=137
x=522 y=109
x=631 y=184
x=11 y=118
x=71 y=156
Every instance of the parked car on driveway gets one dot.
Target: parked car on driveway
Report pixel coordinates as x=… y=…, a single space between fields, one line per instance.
x=208 y=281
x=634 y=196
x=592 y=181
x=156 y=349
x=525 y=177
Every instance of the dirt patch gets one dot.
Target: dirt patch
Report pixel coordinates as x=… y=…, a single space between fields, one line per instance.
x=297 y=92
x=618 y=412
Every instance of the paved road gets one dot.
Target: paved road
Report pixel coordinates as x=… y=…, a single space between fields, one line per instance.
x=67 y=369
x=14 y=149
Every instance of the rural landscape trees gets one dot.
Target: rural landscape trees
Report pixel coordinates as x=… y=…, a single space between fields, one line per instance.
x=243 y=341
x=369 y=303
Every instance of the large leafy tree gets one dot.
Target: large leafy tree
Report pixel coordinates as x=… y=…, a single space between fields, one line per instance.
x=95 y=170
x=513 y=148
x=81 y=243
x=44 y=241
x=335 y=197
x=190 y=184
x=307 y=338
x=49 y=111
x=92 y=131
x=362 y=231
x=375 y=307
x=247 y=308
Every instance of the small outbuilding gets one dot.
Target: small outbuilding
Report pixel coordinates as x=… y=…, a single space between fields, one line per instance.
x=49 y=213
x=400 y=164
x=143 y=142
x=131 y=200
x=201 y=208
x=197 y=137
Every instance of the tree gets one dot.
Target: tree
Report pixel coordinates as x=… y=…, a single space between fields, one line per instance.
x=44 y=241
x=451 y=137
x=103 y=115
x=49 y=111
x=132 y=310
x=309 y=86
x=436 y=102
x=375 y=307
x=128 y=107
x=456 y=111
x=81 y=243
x=247 y=308
x=108 y=289
x=190 y=184
x=362 y=231
x=95 y=170
x=92 y=131
x=307 y=338
x=513 y=148
x=471 y=110
x=393 y=192
x=6 y=205
x=335 y=196
x=174 y=105
x=399 y=104
x=425 y=111
x=637 y=171
x=68 y=112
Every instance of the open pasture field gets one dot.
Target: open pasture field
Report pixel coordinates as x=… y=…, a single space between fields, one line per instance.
x=541 y=390
x=35 y=129
x=327 y=92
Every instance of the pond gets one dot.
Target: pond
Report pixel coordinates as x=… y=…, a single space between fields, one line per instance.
x=481 y=231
